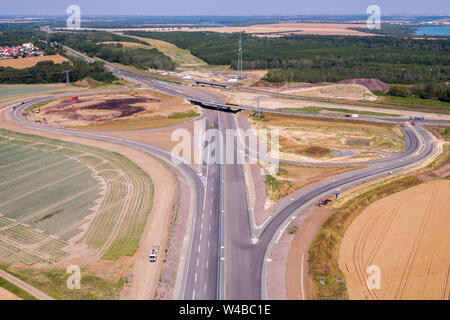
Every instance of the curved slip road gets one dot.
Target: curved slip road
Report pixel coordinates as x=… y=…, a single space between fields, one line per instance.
x=239 y=268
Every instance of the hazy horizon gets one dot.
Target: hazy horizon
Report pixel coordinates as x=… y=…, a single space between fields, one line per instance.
x=229 y=8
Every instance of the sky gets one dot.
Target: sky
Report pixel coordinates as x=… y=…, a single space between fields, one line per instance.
x=223 y=7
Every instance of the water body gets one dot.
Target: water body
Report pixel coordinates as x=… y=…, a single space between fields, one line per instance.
x=433 y=31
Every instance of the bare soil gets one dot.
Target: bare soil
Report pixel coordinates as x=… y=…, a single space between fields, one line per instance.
x=30 y=61
x=113 y=111
x=6 y=295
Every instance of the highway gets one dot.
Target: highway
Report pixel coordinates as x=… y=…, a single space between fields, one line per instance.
x=223 y=261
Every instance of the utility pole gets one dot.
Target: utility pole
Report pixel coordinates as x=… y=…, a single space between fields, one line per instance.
x=67 y=76
x=240 y=76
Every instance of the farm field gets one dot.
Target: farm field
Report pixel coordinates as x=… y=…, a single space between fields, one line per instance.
x=181 y=57
x=119 y=111
x=30 y=61
x=309 y=139
x=406 y=236
x=60 y=198
x=274 y=29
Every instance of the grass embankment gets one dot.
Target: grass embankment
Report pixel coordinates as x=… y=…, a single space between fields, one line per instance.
x=15 y=290
x=317 y=110
x=54 y=283
x=324 y=250
x=290 y=178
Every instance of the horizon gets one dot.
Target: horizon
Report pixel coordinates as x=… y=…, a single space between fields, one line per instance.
x=231 y=8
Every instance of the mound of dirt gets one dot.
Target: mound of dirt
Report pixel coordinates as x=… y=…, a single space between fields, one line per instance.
x=371 y=84
x=334 y=91
x=266 y=84
x=87 y=83
x=316 y=151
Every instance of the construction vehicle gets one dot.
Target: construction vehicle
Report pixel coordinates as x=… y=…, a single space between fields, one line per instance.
x=37 y=110
x=326 y=201
x=132 y=93
x=74 y=98
x=153 y=254
x=211 y=125
x=413 y=123
x=231 y=103
x=402 y=124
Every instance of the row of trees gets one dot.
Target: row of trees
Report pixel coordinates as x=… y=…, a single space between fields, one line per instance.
x=429 y=91
x=311 y=58
x=92 y=44
x=49 y=72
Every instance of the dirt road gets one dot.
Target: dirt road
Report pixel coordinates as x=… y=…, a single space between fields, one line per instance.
x=25 y=286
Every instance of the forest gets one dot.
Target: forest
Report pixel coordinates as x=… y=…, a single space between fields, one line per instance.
x=49 y=72
x=313 y=58
x=91 y=44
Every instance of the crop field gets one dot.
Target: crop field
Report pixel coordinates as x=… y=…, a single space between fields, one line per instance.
x=55 y=195
x=406 y=236
x=30 y=61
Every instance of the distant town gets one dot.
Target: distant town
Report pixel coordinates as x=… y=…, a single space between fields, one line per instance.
x=20 y=51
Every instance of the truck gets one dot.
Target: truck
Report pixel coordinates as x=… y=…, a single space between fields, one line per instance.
x=153 y=256
x=416 y=118
x=402 y=124
x=413 y=122
x=231 y=103
x=211 y=125
x=355 y=115
x=74 y=98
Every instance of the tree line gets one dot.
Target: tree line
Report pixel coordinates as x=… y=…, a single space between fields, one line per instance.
x=430 y=91
x=91 y=43
x=314 y=58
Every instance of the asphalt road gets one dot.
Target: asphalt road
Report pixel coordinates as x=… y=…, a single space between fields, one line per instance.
x=243 y=262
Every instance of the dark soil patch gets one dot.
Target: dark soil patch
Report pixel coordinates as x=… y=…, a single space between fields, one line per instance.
x=122 y=108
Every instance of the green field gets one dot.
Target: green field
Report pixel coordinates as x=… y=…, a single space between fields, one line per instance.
x=48 y=191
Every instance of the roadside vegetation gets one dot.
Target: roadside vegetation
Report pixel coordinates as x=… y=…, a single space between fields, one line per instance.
x=5 y=284
x=340 y=111
x=93 y=44
x=328 y=280
x=54 y=283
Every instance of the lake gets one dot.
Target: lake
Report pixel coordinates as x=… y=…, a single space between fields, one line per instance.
x=433 y=31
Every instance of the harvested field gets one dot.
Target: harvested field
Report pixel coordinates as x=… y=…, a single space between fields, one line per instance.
x=30 y=61
x=181 y=57
x=406 y=235
x=271 y=30
x=114 y=111
x=126 y=44
x=308 y=139
x=60 y=199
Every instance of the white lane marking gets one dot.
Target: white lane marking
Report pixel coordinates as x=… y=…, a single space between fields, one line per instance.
x=199 y=248
x=204 y=290
x=208 y=244
x=209 y=227
x=193 y=295
x=195 y=280
x=207 y=264
x=198 y=261
x=301 y=279
x=200 y=236
x=201 y=226
x=206 y=184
